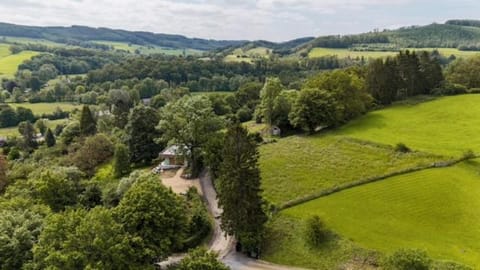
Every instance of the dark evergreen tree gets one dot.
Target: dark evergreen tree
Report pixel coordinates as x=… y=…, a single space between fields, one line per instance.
x=141 y=134
x=432 y=72
x=88 y=126
x=239 y=190
x=121 y=161
x=50 y=138
x=28 y=133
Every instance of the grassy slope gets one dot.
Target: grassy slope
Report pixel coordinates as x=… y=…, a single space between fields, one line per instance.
x=300 y=165
x=435 y=210
x=41 y=108
x=448 y=125
x=13 y=131
x=344 y=53
x=146 y=50
x=4 y=50
x=9 y=64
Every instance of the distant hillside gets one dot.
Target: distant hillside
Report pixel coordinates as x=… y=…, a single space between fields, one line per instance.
x=461 y=34
x=84 y=33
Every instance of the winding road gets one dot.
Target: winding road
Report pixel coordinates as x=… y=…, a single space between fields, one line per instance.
x=224 y=245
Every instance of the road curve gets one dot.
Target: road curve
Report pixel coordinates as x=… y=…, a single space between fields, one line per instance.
x=224 y=245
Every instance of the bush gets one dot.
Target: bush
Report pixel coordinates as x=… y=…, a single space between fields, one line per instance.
x=450 y=90
x=315 y=232
x=474 y=91
x=469 y=154
x=402 y=148
x=406 y=259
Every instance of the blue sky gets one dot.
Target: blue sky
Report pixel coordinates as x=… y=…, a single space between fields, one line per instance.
x=275 y=20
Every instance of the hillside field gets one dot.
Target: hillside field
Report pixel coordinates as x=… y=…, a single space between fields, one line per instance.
x=434 y=209
x=46 y=108
x=147 y=49
x=344 y=53
x=13 y=131
x=9 y=64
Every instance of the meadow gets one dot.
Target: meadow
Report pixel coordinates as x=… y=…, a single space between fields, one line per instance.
x=298 y=166
x=131 y=48
x=345 y=53
x=435 y=210
x=432 y=209
x=445 y=126
x=9 y=64
x=242 y=55
x=13 y=131
x=46 y=108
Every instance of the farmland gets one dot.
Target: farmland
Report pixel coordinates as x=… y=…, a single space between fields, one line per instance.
x=435 y=210
x=430 y=209
x=13 y=131
x=131 y=48
x=9 y=64
x=46 y=108
x=344 y=53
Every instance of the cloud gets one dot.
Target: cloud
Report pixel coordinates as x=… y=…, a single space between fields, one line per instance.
x=233 y=19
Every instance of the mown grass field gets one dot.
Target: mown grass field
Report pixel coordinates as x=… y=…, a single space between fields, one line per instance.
x=344 y=53
x=435 y=210
x=4 y=50
x=298 y=166
x=46 y=108
x=241 y=55
x=146 y=49
x=446 y=126
x=9 y=64
x=13 y=131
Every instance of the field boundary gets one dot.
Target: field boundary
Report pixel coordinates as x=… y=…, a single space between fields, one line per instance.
x=369 y=180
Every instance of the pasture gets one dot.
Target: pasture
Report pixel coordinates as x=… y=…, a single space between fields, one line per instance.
x=46 y=108
x=345 y=53
x=298 y=166
x=13 y=131
x=435 y=210
x=131 y=48
x=9 y=64
x=432 y=209
x=247 y=55
x=445 y=126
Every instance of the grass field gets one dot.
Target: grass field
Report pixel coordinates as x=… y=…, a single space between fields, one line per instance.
x=298 y=166
x=146 y=49
x=446 y=126
x=9 y=64
x=4 y=50
x=435 y=210
x=41 y=108
x=13 y=131
x=344 y=53
x=241 y=55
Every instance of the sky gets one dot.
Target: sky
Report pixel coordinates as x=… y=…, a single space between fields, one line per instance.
x=275 y=20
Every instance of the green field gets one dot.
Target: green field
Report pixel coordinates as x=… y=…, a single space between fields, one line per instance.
x=9 y=64
x=13 y=131
x=4 y=50
x=299 y=166
x=242 y=55
x=447 y=125
x=46 y=108
x=345 y=53
x=147 y=49
x=435 y=210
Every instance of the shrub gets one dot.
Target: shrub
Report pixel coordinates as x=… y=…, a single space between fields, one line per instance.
x=469 y=154
x=315 y=232
x=402 y=148
x=450 y=90
x=408 y=259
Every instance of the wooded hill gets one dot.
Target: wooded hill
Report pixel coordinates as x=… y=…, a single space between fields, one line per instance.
x=83 y=33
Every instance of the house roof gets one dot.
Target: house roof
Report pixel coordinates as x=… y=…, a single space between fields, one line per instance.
x=172 y=150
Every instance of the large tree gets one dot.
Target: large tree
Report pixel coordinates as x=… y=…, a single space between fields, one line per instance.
x=141 y=134
x=189 y=122
x=315 y=108
x=50 y=138
x=88 y=125
x=81 y=239
x=155 y=214
x=269 y=93
x=121 y=161
x=239 y=190
x=94 y=151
